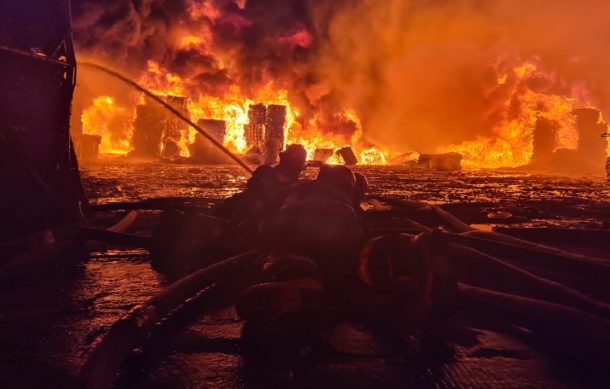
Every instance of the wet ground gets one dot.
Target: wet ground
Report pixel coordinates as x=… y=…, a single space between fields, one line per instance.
x=532 y=200
x=49 y=322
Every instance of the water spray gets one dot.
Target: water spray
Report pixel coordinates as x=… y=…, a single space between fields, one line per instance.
x=171 y=109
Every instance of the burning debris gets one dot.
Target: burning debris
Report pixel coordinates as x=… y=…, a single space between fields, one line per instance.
x=274 y=133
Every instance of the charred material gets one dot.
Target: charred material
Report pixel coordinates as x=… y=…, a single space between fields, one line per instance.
x=443 y=162
x=147 y=132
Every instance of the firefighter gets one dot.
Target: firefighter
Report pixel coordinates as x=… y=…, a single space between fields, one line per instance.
x=266 y=188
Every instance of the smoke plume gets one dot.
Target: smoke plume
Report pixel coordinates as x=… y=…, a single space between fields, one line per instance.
x=419 y=74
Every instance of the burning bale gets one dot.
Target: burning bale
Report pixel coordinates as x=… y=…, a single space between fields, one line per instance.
x=255 y=129
x=173 y=127
x=588 y=157
x=443 y=162
x=274 y=132
x=545 y=138
x=264 y=133
x=157 y=132
x=147 y=132
x=322 y=155
x=348 y=156
x=86 y=147
x=203 y=151
x=590 y=127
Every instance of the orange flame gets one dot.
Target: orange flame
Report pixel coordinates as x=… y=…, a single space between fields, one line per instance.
x=232 y=107
x=512 y=143
x=113 y=123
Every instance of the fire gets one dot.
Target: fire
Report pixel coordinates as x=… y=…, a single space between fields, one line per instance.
x=232 y=107
x=372 y=156
x=113 y=123
x=512 y=143
x=479 y=86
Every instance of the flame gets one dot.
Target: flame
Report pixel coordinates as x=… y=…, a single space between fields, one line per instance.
x=512 y=143
x=372 y=156
x=232 y=107
x=113 y=123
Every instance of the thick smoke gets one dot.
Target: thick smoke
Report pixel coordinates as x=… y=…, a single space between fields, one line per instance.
x=419 y=74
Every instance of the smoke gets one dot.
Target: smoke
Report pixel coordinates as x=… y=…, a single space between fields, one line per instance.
x=419 y=74
x=428 y=73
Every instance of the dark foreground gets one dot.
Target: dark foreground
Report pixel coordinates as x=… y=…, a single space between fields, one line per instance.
x=49 y=322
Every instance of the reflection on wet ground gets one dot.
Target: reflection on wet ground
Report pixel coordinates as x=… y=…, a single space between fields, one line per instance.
x=532 y=200
x=49 y=322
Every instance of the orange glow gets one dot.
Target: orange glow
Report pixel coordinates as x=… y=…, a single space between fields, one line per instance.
x=113 y=123
x=232 y=107
x=512 y=143
x=372 y=156
x=457 y=77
